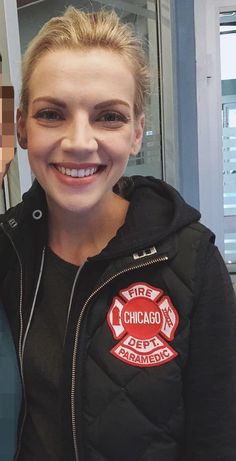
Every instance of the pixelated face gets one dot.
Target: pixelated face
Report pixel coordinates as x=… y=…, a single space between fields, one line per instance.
x=6 y=124
x=80 y=127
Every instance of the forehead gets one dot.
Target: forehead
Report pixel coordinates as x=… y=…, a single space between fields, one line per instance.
x=96 y=72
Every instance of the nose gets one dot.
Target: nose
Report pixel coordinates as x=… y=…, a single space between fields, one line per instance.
x=79 y=137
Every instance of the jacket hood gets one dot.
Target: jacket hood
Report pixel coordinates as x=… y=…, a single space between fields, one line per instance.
x=156 y=212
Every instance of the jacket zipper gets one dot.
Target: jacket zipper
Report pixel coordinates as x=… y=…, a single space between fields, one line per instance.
x=22 y=346
x=75 y=350
x=22 y=343
x=71 y=299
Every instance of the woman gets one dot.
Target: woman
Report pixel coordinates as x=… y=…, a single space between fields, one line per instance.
x=122 y=311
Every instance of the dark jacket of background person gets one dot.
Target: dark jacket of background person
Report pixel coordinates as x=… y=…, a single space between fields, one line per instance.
x=184 y=409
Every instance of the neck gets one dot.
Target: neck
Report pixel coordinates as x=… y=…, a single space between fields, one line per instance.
x=75 y=238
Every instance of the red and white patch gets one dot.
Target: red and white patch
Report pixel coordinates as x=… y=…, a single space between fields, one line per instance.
x=142 y=318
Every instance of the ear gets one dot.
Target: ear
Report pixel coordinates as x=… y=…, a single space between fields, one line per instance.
x=21 y=128
x=138 y=134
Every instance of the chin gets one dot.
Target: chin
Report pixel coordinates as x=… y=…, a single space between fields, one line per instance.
x=70 y=205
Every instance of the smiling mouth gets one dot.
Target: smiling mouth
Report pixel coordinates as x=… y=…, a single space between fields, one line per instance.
x=80 y=172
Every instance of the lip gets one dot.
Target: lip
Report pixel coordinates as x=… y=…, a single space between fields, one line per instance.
x=76 y=166
x=76 y=181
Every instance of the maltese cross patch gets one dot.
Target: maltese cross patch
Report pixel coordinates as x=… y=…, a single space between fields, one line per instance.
x=143 y=320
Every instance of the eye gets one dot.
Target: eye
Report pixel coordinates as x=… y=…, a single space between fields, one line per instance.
x=113 y=117
x=48 y=115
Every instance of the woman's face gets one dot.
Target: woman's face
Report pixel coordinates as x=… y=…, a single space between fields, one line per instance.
x=80 y=127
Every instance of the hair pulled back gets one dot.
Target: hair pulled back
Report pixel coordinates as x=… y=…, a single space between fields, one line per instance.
x=77 y=29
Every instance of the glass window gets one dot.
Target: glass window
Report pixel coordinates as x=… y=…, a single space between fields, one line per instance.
x=228 y=85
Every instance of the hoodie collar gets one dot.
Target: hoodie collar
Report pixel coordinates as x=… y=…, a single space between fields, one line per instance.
x=31 y=213
x=156 y=212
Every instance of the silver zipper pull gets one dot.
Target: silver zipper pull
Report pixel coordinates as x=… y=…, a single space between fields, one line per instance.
x=144 y=253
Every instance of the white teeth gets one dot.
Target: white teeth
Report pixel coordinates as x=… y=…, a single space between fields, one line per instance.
x=81 y=173
x=74 y=173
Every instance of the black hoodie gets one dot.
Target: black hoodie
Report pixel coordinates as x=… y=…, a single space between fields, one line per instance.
x=181 y=409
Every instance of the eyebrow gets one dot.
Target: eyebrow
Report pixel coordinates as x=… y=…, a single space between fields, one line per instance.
x=100 y=105
x=111 y=102
x=50 y=99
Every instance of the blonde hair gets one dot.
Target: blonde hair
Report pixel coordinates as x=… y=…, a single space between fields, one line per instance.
x=80 y=30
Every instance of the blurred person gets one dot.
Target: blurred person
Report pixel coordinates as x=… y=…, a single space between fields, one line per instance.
x=6 y=124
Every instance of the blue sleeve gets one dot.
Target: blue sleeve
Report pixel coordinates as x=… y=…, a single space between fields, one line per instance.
x=10 y=391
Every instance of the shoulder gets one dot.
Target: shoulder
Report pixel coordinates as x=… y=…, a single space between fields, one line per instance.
x=193 y=243
x=32 y=201
x=17 y=228
x=196 y=233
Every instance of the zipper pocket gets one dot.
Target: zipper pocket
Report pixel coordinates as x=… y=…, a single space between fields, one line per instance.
x=75 y=350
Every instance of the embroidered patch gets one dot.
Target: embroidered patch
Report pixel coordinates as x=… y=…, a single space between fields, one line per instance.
x=142 y=319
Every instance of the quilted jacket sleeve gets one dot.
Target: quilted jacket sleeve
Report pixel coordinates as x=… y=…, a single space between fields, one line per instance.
x=211 y=373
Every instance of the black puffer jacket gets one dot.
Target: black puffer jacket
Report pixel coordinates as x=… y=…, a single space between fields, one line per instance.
x=150 y=362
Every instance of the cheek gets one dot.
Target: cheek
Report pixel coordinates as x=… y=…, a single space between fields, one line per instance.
x=38 y=138
x=36 y=155
x=38 y=145
x=33 y=151
x=118 y=147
